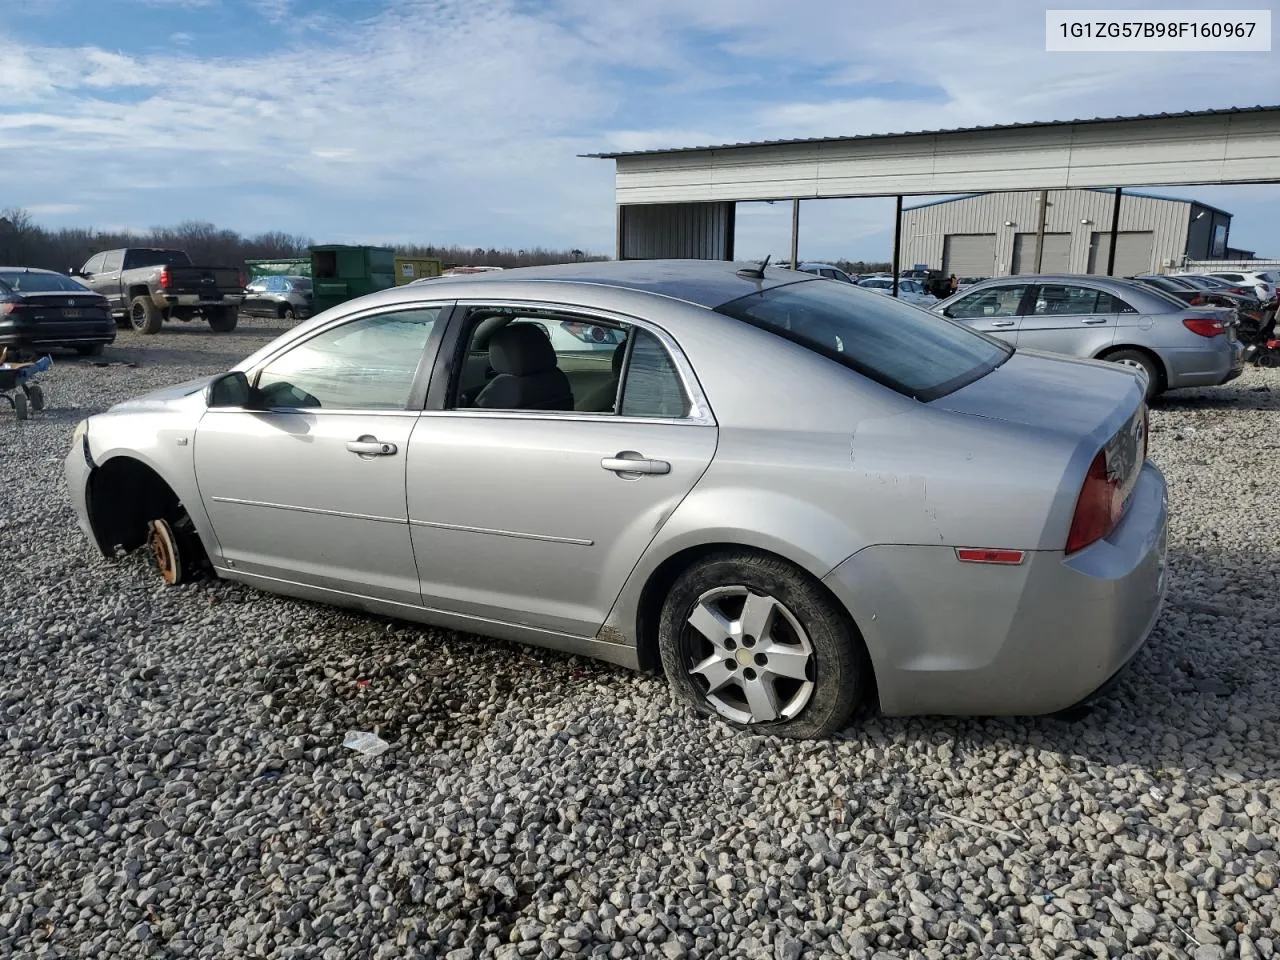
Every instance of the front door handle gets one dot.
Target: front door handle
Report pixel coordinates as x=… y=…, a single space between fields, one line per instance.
x=1094 y=320
x=368 y=447
x=1002 y=323
x=628 y=462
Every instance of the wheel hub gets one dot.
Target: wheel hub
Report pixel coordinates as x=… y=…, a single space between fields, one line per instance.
x=749 y=655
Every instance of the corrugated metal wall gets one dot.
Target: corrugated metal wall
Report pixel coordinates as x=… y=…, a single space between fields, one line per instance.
x=697 y=231
x=924 y=228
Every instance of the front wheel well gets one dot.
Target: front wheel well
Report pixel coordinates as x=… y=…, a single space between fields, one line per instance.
x=124 y=495
x=660 y=582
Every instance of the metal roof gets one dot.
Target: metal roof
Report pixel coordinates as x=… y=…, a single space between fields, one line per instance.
x=1217 y=112
x=1127 y=193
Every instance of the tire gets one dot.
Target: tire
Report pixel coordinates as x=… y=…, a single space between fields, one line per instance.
x=1138 y=360
x=827 y=673
x=286 y=313
x=91 y=350
x=223 y=319
x=21 y=409
x=35 y=396
x=145 y=316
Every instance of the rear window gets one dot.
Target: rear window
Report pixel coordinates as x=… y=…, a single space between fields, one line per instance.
x=139 y=257
x=914 y=352
x=22 y=282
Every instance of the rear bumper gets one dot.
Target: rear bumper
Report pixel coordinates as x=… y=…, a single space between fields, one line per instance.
x=70 y=333
x=953 y=638
x=1215 y=362
x=197 y=300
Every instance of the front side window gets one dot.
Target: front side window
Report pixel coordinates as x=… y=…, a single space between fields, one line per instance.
x=1000 y=301
x=903 y=347
x=94 y=265
x=113 y=261
x=366 y=364
x=1057 y=299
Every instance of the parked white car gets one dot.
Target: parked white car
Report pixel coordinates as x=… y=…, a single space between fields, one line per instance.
x=1264 y=282
x=910 y=291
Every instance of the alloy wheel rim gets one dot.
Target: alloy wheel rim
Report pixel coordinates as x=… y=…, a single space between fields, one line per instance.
x=1132 y=364
x=749 y=655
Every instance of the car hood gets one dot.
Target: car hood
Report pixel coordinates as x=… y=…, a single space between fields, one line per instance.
x=1053 y=393
x=178 y=396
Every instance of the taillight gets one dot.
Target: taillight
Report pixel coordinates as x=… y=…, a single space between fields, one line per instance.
x=1203 y=326
x=11 y=307
x=1197 y=300
x=164 y=278
x=1099 y=507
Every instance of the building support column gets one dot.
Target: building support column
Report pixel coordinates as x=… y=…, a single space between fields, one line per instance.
x=1115 y=233
x=1044 y=216
x=897 y=242
x=795 y=234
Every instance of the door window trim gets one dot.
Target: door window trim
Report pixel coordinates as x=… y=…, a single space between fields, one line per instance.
x=421 y=375
x=449 y=357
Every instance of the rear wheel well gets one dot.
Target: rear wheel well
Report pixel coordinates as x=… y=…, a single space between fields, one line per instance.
x=660 y=582
x=142 y=291
x=1156 y=363
x=124 y=495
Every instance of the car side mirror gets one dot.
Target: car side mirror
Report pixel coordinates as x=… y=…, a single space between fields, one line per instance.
x=229 y=390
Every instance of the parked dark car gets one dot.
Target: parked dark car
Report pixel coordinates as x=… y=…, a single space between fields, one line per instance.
x=285 y=297
x=41 y=309
x=1196 y=296
x=146 y=286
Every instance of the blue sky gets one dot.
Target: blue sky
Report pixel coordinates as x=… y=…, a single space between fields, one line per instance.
x=460 y=121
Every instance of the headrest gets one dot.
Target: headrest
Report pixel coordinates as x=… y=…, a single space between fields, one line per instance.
x=522 y=350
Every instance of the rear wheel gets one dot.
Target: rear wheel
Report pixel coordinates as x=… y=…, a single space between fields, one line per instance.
x=20 y=408
x=145 y=316
x=756 y=641
x=223 y=319
x=286 y=313
x=1137 y=360
x=35 y=396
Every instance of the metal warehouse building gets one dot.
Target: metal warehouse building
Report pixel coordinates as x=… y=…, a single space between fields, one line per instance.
x=993 y=234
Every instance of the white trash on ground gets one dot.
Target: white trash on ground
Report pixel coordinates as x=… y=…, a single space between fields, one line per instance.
x=369 y=744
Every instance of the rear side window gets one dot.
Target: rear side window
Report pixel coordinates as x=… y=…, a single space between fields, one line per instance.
x=142 y=257
x=914 y=352
x=651 y=386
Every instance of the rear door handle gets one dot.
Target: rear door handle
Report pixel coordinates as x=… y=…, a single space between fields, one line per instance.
x=371 y=447
x=635 y=465
x=1002 y=323
x=1094 y=320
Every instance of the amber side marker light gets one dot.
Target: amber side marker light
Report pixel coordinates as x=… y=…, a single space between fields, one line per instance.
x=987 y=555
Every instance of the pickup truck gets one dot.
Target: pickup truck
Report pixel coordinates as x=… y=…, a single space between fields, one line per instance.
x=146 y=286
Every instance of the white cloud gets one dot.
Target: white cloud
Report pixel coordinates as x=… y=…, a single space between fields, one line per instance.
x=460 y=120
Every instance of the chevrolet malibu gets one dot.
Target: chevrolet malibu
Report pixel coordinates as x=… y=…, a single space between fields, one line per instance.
x=788 y=495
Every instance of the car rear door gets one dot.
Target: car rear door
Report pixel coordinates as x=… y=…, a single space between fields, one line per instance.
x=308 y=485
x=536 y=517
x=1067 y=318
x=993 y=310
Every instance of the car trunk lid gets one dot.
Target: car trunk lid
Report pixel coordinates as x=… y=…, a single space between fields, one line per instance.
x=62 y=306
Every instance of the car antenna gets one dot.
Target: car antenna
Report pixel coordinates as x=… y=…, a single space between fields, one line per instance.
x=756 y=272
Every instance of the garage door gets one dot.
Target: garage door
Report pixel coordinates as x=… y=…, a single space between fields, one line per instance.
x=1133 y=252
x=1057 y=253
x=969 y=254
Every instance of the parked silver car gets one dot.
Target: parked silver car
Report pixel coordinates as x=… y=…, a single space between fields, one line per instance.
x=786 y=493
x=909 y=290
x=286 y=297
x=1175 y=345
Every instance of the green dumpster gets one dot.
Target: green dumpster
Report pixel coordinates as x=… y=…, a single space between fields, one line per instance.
x=340 y=273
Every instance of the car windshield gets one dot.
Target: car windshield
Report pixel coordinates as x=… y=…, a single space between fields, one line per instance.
x=23 y=282
x=903 y=347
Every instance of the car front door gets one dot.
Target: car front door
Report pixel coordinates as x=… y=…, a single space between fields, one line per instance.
x=253 y=296
x=107 y=282
x=308 y=485
x=1068 y=318
x=534 y=516
x=992 y=310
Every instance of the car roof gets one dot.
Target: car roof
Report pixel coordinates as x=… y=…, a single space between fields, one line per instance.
x=706 y=283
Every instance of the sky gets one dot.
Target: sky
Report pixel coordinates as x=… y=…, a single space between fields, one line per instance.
x=462 y=121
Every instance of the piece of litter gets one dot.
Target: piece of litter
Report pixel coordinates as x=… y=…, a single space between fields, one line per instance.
x=369 y=744
x=975 y=824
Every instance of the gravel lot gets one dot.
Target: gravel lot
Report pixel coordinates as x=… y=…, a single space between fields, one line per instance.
x=173 y=781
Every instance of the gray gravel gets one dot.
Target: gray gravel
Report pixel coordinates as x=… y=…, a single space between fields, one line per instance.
x=173 y=784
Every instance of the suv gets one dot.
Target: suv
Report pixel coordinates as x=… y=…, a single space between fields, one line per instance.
x=285 y=297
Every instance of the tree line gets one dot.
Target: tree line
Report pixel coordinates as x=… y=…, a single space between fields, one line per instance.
x=25 y=243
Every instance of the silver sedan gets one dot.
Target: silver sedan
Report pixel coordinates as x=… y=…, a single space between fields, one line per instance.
x=789 y=495
x=1106 y=318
